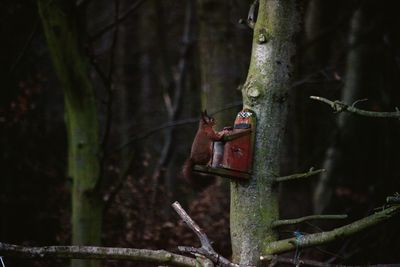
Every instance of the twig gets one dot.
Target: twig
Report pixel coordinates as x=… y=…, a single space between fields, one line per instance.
x=206 y=249
x=339 y=106
x=108 y=83
x=107 y=28
x=276 y=259
x=171 y=124
x=110 y=89
x=329 y=236
x=177 y=99
x=311 y=172
x=109 y=198
x=106 y=79
x=105 y=253
x=308 y=218
x=26 y=46
x=308 y=78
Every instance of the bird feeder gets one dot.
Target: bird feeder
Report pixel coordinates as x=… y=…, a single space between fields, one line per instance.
x=232 y=157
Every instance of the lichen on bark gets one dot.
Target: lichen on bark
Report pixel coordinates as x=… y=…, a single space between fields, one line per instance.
x=254 y=204
x=63 y=36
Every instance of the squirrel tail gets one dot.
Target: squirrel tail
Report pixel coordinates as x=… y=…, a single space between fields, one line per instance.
x=187 y=169
x=196 y=180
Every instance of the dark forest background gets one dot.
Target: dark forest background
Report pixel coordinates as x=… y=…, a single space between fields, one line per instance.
x=155 y=65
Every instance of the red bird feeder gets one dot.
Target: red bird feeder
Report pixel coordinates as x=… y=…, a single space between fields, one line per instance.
x=233 y=156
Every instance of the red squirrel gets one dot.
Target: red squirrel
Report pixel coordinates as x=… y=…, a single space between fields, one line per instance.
x=201 y=151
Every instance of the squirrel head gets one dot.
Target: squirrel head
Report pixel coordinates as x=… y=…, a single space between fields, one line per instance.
x=206 y=120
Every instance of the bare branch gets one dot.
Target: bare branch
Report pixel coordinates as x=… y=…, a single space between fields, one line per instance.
x=174 y=104
x=107 y=81
x=109 y=27
x=109 y=88
x=26 y=46
x=308 y=218
x=109 y=198
x=329 y=236
x=309 y=79
x=100 y=253
x=339 y=106
x=206 y=249
x=167 y=125
x=311 y=172
x=275 y=259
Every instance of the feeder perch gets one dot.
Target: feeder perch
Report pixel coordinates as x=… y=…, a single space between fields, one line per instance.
x=232 y=157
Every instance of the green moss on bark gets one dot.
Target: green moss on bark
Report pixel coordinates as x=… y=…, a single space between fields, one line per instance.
x=254 y=205
x=63 y=38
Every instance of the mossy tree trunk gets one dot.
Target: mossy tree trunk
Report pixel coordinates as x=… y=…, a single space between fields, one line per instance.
x=62 y=30
x=254 y=204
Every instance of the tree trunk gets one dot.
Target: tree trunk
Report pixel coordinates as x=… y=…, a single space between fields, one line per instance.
x=62 y=31
x=223 y=55
x=353 y=154
x=254 y=204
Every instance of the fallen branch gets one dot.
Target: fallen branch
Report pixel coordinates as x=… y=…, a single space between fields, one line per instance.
x=99 y=253
x=339 y=106
x=311 y=172
x=329 y=236
x=308 y=218
x=206 y=249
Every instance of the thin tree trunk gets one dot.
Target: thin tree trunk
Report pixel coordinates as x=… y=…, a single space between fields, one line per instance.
x=62 y=32
x=352 y=149
x=254 y=204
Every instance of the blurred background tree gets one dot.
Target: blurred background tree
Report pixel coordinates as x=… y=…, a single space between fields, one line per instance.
x=153 y=65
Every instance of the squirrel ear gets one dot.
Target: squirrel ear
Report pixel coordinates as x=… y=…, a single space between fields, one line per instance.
x=205 y=113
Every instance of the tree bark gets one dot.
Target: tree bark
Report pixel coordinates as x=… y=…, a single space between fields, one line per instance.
x=254 y=204
x=63 y=35
x=223 y=55
x=98 y=253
